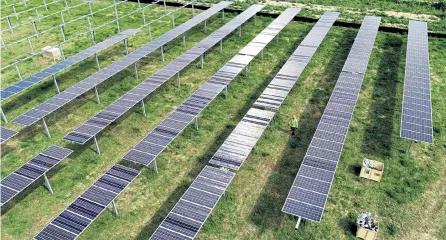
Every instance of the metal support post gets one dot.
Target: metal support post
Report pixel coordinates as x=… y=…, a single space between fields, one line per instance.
x=115 y=209
x=202 y=60
x=38 y=16
x=193 y=9
x=46 y=128
x=139 y=4
x=61 y=51
x=408 y=146
x=150 y=33
x=255 y=19
x=126 y=46
x=221 y=46
x=98 y=100
x=240 y=31
x=162 y=53
x=223 y=14
x=18 y=71
x=9 y=24
x=44 y=4
x=184 y=40
x=3 y=42
x=205 y=26
x=47 y=183
x=97 y=145
x=3 y=116
x=136 y=70
x=97 y=61
x=93 y=39
x=61 y=17
x=298 y=223
x=196 y=123
x=24 y=2
x=277 y=37
x=15 y=12
x=155 y=167
x=226 y=92
x=173 y=20
x=35 y=28
x=66 y=5
x=143 y=17
x=246 y=70
x=91 y=10
x=261 y=54
x=117 y=18
x=143 y=108
x=179 y=80
x=31 y=46
x=165 y=7
x=62 y=32
x=55 y=83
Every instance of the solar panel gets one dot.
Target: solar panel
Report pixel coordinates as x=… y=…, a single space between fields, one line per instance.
x=6 y=134
x=159 y=78
x=28 y=119
x=416 y=120
x=64 y=64
x=27 y=174
x=84 y=210
x=194 y=207
x=199 y=100
x=243 y=138
x=309 y=193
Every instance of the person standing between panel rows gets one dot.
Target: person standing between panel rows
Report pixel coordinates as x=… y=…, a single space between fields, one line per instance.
x=293 y=125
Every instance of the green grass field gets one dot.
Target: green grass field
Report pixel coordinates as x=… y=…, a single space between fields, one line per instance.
x=409 y=201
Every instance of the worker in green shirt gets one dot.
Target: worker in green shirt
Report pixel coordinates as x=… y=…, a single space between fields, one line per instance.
x=293 y=124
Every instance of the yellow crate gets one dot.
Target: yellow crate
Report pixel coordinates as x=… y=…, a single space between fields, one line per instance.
x=51 y=52
x=374 y=174
x=366 y=234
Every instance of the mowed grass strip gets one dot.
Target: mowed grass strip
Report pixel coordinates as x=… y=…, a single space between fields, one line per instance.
x=251 y=207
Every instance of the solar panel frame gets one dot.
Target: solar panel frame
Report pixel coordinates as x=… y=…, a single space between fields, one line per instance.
x=130 y=59
x=333 y=121
x=416 y=117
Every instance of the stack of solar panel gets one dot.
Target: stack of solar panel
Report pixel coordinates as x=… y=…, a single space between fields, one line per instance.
x=85 y=209
x=194 y=207
x=147 y=150
x=44 y=109
x=27 y=174
x=310 y=189
x=6 y=134
x=276 y=92
x=100 y=121
x=416 y=120
x=64 y=64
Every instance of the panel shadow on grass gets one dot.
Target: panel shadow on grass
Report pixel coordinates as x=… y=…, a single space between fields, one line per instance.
x=378 y=134
x=267 y=212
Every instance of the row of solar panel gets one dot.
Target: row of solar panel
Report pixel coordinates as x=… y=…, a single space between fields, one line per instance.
x=236 y=148
x=416 y=119
x=190 y=108
x=312 y=184
x=6 y=134
x=194 y=207
x=88 y=130
x=64 y=64
x=84 y=210
x=27 y=174
x=276 y=92
x=31 y=116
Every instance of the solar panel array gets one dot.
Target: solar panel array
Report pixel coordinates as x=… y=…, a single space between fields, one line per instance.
x=44 y=109
x=64 y=64
x=6 y=134
x=244 y=137
x=158 y=139
x=309 y=193
x=194 y=207
x=84 y=210
x=100 y=121
x=27 y=174
x=416 y=120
